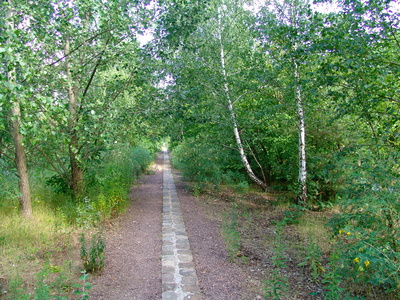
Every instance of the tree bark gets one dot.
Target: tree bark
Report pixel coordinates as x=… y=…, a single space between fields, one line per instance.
x=76 y=168
x=302 y=179
x=235 y=126
x=20 y=161
x=20 y=157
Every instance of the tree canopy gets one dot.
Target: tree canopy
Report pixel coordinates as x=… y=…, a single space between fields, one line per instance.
x=278 y=95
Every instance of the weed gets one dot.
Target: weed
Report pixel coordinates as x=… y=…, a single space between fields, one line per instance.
x=93 y=258
x=293 y=216
x=313 y=259
x=198 y=188
x=332 y=280
x=232 y=236
x=42 y=290
x=82 y=290
x=277 y=284
x=46 y=286
x=16 y=289
x=87 y=215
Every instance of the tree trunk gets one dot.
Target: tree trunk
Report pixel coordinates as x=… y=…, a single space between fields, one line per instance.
x=20 y=160
x=235 y=126
x=302 y=179
x=76 y=168
x=20 y=157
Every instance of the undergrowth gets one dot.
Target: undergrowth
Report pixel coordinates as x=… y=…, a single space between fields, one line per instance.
x=43 y=258
x=231 y=234
x=280 y=240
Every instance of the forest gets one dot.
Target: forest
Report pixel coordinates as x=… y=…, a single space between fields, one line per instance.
x=284 y=97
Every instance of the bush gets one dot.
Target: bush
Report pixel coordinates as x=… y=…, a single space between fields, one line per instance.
x=112 y=178
x=93 y=257
x=107 y=181
x=204 y=163
x=367 y=230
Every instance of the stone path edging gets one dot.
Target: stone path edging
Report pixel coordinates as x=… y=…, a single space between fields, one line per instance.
x=179 y=279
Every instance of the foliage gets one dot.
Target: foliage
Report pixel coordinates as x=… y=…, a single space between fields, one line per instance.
x=313 y=259
x=277 y=283
x=82 y=289
x=108 y=182
x=293 y=215
x=367 y=230
x=231 y=234
x=200 y=162
x=50 y=283
x=93 y=256
x=333 y=280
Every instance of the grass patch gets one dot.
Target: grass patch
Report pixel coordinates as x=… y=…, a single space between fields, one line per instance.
x=39 y=256
x=43 y=258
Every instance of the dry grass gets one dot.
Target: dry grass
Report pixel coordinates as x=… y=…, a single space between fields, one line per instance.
x=26 y=246
x=258 y=214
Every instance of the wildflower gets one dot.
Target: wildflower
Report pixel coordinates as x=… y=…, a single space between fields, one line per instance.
x=341 y=231
x=367 y=263
x=348 y=233
x=356 y=260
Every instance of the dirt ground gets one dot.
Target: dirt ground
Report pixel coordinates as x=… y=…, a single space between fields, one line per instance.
x=133 y=265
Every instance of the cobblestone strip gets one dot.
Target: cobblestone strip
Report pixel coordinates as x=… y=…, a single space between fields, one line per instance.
x=179 y=279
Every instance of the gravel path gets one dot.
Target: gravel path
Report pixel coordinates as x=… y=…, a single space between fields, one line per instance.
x=133 y=255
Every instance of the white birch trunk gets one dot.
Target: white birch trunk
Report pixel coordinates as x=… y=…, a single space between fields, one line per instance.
x=302 y=179
x=236 y=132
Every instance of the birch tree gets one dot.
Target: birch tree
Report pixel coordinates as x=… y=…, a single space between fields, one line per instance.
x=230 y=103
x=286 y=27
x=210 y=71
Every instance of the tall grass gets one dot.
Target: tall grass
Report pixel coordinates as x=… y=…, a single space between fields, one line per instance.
x=49 y=243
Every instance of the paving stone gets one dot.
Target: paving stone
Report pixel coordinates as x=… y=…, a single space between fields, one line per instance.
x=168 y=278
x=184 y=251
x=185 y=257
x=179 y=280
x=186 y=265
x=167 y=252
x=191 y=288
x=189 y=280
x=193 y=297
x=187 y=272
x=169 y=287
x=169 y=295
x=168 y=258
x=168 y=269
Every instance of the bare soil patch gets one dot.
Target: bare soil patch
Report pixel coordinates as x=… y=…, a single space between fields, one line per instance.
x=133 y=265
x=257 y=215
x=219 y=278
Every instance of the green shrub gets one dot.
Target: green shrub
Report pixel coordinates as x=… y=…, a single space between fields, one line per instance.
x=8 y=191
x=93 y=256
x=107 y=182
x=367 y=229
x=231 y=233
x=112 y=178
x=205 y=163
